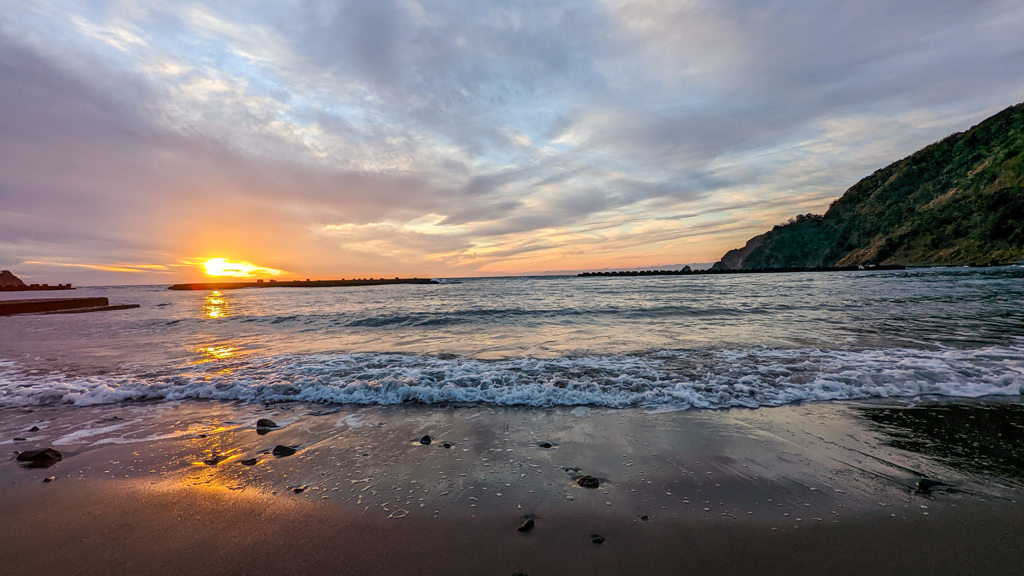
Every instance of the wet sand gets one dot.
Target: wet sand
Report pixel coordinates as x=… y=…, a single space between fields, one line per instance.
x=809 y=489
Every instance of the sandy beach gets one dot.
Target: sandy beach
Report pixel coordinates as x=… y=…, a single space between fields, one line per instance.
x=801 y=489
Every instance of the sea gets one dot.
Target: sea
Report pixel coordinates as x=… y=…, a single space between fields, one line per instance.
x=651 y=342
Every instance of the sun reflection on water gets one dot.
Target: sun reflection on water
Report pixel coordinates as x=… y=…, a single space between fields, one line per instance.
x=215 y=306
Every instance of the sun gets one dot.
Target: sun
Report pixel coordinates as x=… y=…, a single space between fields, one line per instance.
x=224 y=267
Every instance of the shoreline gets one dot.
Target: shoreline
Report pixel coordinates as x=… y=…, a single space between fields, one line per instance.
x=797 y=489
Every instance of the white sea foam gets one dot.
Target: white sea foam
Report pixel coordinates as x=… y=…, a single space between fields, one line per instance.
x=704 y=379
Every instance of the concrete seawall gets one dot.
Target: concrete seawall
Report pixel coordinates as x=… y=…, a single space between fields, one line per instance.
x=9 y=307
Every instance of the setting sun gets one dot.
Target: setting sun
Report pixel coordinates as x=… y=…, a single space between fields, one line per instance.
x=223 y=267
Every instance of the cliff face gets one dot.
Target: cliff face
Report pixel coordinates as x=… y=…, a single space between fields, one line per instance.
x=8 y=279
x=959 y=201
x=733 y=259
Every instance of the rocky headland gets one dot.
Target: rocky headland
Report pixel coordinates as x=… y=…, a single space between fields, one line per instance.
x=9 y=279
x=959 y=201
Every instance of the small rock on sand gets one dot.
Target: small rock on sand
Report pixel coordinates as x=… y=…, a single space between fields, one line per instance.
x=925 y=485
x=49 y=479
x=40 y=458
x=214 y=459
x=446 y=445
x=588 y=481
x=34 y=429
x=266 y=423
x=597 y=539
x=544 y=444
x=526 y=526
x=20 y=439
x=281 y=451
x=425 y=440
x=250 y=461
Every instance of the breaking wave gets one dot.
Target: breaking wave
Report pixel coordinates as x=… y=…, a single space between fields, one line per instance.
x=748 y=378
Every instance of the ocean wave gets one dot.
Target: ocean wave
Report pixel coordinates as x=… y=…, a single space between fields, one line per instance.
x=749 y=378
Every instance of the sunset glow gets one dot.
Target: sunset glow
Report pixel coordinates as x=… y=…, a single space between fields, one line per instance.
x=223 y=267
x=383 y=139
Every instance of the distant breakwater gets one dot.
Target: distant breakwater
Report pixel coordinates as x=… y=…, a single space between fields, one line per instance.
x=298 y=284
x=687 y=272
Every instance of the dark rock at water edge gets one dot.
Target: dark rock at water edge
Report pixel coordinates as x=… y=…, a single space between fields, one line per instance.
x=597 y=539
x=926 y=485
x=281 y=451
x=34 y=429
x=20 y=439
x=40 y=458
x=425 y=440
x=250 y=461
x=266 y=423
x=588 y=482
x=527 y=525
x=214 y=459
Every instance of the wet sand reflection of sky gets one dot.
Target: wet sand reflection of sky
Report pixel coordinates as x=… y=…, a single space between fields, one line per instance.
x=982 y=438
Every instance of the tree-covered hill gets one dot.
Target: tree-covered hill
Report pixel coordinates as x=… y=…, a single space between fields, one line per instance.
x=958 y=201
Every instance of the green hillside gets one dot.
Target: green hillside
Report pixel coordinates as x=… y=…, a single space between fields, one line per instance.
x=959 y=201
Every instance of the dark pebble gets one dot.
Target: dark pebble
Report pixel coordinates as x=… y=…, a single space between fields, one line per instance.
x=544 y=444
x=597 y=539
x=250 y=461
x=266 y=423
x=588 y=482
x=446 y=445
x=425 y=440
x=526 y=526
x=645 y=518
x=925 y=485
x=299 y=489
x=214 y=460
x=40 y=458
x=49 y=479
x=20 y=439
x=281 y=451
x=34 y=429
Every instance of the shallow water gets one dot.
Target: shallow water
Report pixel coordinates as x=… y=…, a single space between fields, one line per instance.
x=661 y=342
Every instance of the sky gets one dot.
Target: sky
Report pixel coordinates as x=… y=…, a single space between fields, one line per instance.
x=140 y=139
